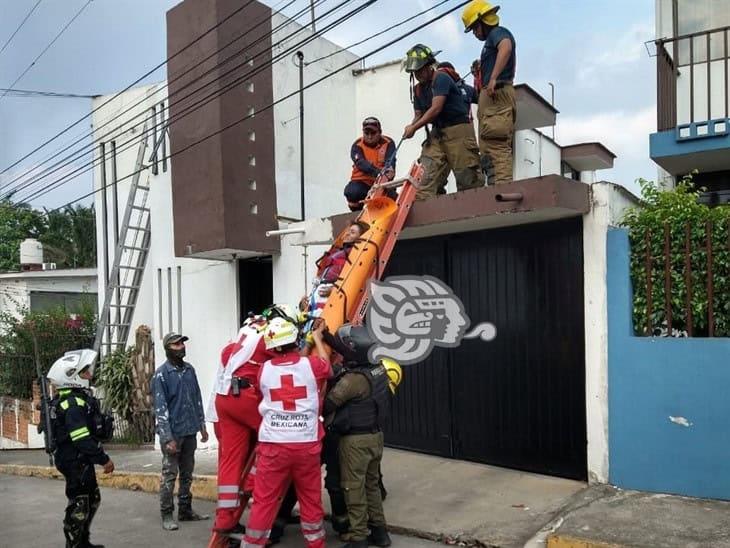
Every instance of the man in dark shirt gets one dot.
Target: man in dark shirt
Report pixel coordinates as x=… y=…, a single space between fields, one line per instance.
x=179 y=417
x=451 y=143
x=497 y=96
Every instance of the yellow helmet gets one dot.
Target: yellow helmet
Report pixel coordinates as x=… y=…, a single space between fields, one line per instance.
x=280 y=332
x=394 y=372
x=479 y=9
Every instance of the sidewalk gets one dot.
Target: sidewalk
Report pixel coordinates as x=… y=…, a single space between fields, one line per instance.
x=460 y=502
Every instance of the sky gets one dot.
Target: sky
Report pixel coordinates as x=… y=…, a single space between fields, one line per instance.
x=592 y=51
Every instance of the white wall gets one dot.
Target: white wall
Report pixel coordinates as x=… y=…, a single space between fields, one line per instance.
x=535 y=155
x=328 y=124
x=15 y=291
x=717 y=92
x=609 y=202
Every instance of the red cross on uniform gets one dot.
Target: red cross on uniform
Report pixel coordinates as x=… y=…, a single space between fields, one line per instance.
x=288 y=394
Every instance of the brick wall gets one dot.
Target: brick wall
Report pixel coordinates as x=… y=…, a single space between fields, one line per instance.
x=17 y=415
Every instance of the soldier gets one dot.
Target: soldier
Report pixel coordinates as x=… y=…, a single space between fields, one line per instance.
x=78 y=427
x=361 y=403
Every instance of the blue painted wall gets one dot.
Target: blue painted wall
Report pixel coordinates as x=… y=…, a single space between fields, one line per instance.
x=651 y=379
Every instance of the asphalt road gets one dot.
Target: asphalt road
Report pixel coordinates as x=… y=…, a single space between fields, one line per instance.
x=31 y=511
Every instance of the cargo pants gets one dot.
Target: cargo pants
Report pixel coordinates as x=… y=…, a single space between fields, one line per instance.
x=496 y=133
x=451 y=148
x=360 y=456
x=182 y=463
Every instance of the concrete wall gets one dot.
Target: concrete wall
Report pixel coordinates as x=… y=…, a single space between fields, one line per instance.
x=668 y=404
x=329 y=126
x=609 y=202
x=535 y=155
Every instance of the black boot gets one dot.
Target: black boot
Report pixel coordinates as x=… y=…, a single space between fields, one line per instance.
x=356 y=544
x=188 y=514
x=277 y=531
x=379 y=536
x=341 y=524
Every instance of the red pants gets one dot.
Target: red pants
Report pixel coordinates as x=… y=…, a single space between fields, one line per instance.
x=238 y=421
x=276 y=465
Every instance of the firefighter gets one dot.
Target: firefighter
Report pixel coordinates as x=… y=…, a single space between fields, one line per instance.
x=497 y=96
x=361 y=404
x=290 y=435
x=451 y=143
x=238 y=419
x=371 y=154
x=79 y=427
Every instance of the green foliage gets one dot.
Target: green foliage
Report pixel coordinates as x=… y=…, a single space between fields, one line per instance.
x=56 y=332
x=68 y=236
x=17 y=222
x=115 y=380
x=678 y=210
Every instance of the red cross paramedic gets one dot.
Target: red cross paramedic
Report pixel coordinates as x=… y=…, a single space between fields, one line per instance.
x=290 y=435
x=236 y=411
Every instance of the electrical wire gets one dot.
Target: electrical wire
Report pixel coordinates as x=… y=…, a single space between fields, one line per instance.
x=285 y=98
x=138 y=80
x=211 y=96
x=20 y=26
x=47 y=48
x=81 y=152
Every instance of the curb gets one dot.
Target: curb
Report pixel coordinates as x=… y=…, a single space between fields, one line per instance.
x=204 y=487
x=563 y=541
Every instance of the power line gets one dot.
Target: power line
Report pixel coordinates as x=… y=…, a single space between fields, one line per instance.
x=80 y=152
x=138 y=80
x=202 y=101
x=20 y=26
x=41 y=94
x=285 y=98
x=47 y=47
x=400 y=23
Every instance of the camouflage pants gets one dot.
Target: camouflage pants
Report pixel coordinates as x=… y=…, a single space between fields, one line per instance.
x=496 y=133
x=174 y=464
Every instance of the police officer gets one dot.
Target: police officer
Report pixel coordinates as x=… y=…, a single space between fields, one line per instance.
x=361 y=403
x=497 y=96
x=451 y=143
x=79 y=427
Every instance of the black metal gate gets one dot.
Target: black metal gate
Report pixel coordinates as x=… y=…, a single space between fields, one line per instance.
x=519 y=400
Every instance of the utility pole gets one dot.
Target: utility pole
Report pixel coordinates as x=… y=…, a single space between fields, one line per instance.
x=552 y=102
x=311 y=8
x=300 y=56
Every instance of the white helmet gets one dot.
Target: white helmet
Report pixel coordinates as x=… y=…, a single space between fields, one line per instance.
x=64 y=373
x=280 y=332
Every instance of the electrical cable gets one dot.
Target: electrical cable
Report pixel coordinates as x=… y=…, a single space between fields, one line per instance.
x=20 y=26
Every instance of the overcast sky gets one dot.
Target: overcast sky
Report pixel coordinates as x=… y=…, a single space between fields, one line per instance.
x=592 y=51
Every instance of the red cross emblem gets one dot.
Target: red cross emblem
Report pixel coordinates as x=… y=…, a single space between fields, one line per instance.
x=288 y=394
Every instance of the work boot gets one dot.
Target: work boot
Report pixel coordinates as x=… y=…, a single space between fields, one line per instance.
x=379 y=536
x=356 y=544
x=277 y=531
x=235 y=535
x=168 y=524
x=341 y=524
x=191 y=515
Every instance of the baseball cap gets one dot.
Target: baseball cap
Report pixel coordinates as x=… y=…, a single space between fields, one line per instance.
x=171 y=338
x=372 y=122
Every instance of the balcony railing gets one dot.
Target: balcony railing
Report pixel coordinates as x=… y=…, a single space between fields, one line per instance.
x=692 y=83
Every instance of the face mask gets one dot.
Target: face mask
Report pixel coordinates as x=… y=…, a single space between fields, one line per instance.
x=175 y=355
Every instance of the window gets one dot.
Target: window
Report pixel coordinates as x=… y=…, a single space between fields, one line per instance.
x=41 y=301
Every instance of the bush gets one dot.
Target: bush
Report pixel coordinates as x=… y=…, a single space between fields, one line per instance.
x=55 y=331
x=115 y=381
x=678 y=210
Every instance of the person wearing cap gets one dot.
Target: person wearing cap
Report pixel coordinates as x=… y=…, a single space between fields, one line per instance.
x=497 y=107
x=451 y=143
x=179 y=416
x=371 y=154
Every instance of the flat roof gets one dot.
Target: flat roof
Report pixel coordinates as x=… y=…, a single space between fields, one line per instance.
x=57 y=273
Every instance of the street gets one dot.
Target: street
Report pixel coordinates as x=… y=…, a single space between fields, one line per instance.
x=32 y=512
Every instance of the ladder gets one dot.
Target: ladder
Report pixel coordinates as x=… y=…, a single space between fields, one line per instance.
x=130 y=259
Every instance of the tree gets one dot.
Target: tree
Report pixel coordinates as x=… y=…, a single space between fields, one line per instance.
x=70 y=237
x=17 y=222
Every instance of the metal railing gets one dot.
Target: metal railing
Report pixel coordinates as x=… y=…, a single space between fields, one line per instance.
x=701 y=58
